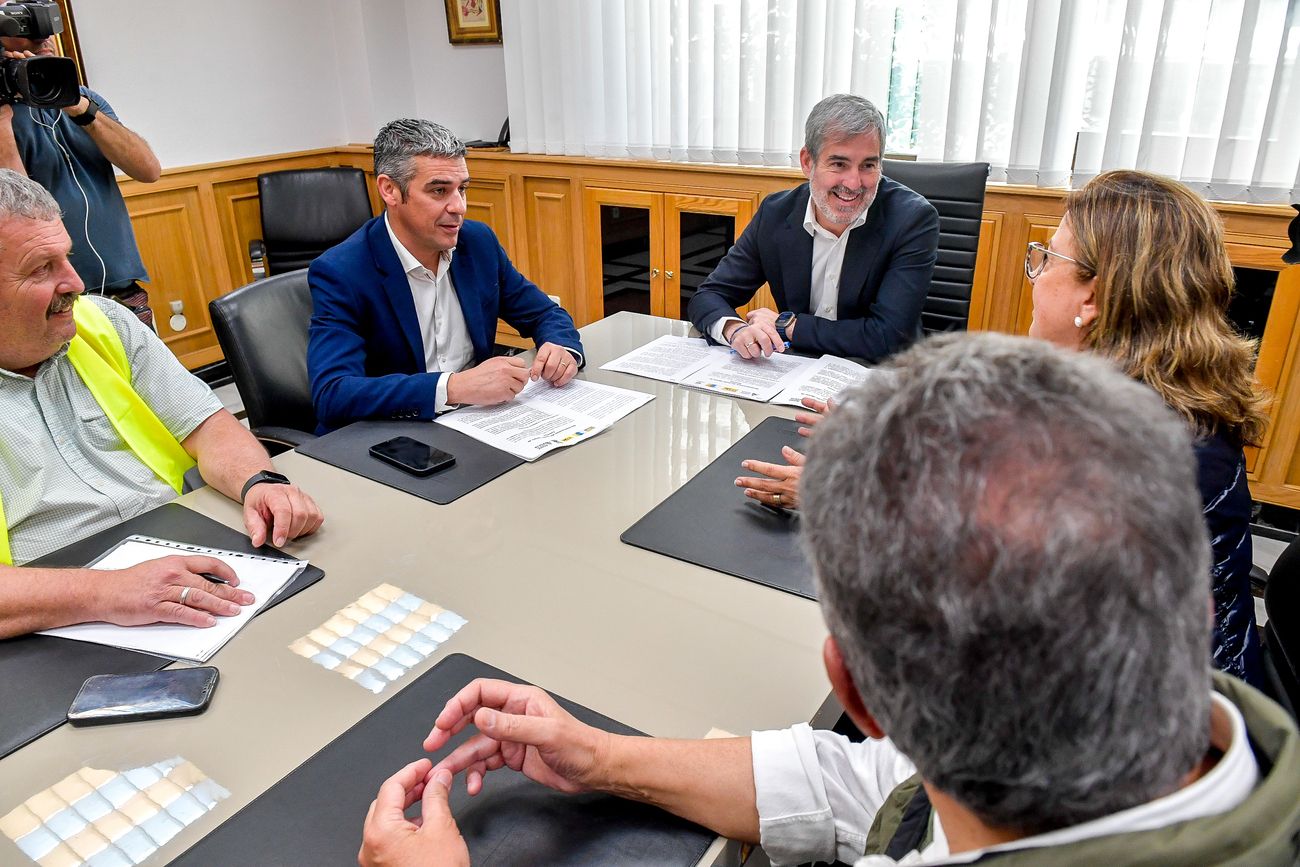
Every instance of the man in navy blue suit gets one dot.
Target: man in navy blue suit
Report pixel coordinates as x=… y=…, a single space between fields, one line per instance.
x=404 y=312
x=848 y=255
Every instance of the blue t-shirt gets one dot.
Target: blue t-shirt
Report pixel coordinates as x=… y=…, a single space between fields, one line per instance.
x=63 y=158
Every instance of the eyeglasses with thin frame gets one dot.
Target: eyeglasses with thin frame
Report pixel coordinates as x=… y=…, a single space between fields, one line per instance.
x=1036 y=259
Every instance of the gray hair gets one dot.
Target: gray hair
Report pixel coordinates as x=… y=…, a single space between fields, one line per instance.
x=1010 y=553
x=840 y=116
x=402 y=140
x=20 y=196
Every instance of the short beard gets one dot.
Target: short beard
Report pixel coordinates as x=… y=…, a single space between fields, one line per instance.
x=821 y=201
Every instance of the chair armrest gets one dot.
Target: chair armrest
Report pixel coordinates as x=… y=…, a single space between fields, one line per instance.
x=257 y=258
x=284 y=437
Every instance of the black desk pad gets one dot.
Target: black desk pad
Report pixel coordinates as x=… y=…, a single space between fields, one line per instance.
x=711 y=523
x=348 y=448
x=315 y=814
x=40 y=674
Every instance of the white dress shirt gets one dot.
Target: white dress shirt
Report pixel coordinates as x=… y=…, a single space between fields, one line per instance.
x=818 y=794
x=447 y=345
x=827 y=263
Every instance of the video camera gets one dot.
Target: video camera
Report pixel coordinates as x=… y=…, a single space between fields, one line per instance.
x=47 y=82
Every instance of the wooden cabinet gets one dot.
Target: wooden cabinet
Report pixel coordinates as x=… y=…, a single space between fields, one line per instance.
x=648 y=252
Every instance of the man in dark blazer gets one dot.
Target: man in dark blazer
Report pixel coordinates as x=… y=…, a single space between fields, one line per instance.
x=404 y=311
x=848 y=255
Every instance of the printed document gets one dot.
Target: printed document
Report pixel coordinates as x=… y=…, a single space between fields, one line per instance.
x=823 y=380
x=755 y=378
x=780 y=378
x=264 y=577
x=668 y=358
x=542 y=417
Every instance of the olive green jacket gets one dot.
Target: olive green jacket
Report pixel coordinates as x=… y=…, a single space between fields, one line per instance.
x=1263 y=830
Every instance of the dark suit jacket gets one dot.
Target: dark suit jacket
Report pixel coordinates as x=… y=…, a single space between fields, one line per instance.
x=365 y=355
x=886 y=274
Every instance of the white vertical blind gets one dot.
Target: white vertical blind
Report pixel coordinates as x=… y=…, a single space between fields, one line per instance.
x=1050 y=92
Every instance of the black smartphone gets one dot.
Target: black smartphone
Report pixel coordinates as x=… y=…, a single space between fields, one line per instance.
x=417 y=458
x=112 y=698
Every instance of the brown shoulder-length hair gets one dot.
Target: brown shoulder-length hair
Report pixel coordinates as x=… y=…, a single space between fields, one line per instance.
x=1162 y=292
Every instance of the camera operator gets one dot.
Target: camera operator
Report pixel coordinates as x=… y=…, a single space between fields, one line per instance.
x=71 y=152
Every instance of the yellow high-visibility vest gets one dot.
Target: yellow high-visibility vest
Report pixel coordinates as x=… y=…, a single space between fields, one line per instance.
x=99 y=358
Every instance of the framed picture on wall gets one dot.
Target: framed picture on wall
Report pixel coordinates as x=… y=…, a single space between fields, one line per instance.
x=472 y=22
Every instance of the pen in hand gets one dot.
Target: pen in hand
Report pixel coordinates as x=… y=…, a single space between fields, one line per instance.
x=214 y=579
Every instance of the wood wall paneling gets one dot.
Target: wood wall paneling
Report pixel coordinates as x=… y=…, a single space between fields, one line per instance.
x=240 y=217
x=986 y=267
x=171 y=234
x=489 y=202
x=1034 y=227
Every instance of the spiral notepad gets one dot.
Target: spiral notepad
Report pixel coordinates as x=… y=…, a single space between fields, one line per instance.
x=264 y=577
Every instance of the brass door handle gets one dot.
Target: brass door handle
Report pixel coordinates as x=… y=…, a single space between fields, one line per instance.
x=668 y=274
x=654 y=272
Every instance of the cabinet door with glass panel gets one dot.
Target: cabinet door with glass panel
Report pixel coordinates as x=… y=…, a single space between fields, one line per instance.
x=649 y=252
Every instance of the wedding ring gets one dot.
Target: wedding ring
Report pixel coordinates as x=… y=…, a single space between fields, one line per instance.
x=564 y=364
x=776 y=498
x=751 y=343
x=185 y=592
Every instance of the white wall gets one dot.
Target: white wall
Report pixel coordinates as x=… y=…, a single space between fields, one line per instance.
x=205 y=81
x=462 y=87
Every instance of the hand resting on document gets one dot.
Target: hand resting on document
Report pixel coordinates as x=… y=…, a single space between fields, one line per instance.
x=167 y=590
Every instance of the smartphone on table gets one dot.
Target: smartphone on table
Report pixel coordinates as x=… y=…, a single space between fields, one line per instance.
x=111 y=698
x=411 y=455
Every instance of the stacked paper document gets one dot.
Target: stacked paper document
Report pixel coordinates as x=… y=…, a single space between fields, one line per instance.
x=779 y=378
x=543 y=417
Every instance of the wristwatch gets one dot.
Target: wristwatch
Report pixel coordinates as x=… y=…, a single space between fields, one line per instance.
x=87 y=116
x=271 y=478
x=782 y=323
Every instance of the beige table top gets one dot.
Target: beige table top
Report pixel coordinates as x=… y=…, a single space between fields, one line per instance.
x=534 y=562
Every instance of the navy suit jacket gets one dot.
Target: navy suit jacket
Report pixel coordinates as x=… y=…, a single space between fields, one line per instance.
x=887 y=268
x=365 y=355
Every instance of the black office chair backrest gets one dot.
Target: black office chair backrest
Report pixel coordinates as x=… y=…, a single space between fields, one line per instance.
x=957 y=192
x=307 y=211
x=1282 y=630
x=262 y=329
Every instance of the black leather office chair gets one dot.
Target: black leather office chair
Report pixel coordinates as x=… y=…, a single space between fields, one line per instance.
x=262 y=329
x=304 y=213
x=1282 y=631
x=957 y=191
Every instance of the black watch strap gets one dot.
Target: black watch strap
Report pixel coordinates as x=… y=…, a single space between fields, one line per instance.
x=267 y=476
x=87 y=116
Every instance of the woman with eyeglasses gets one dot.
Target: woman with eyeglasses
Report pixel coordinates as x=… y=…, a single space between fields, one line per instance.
x=1138 y=272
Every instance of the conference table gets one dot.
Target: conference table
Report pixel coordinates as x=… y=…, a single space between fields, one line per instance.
x=533 y=561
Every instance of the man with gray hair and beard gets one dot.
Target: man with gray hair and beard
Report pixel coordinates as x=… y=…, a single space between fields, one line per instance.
x=848 y=255
x=99 y=423
x=1011 y=560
